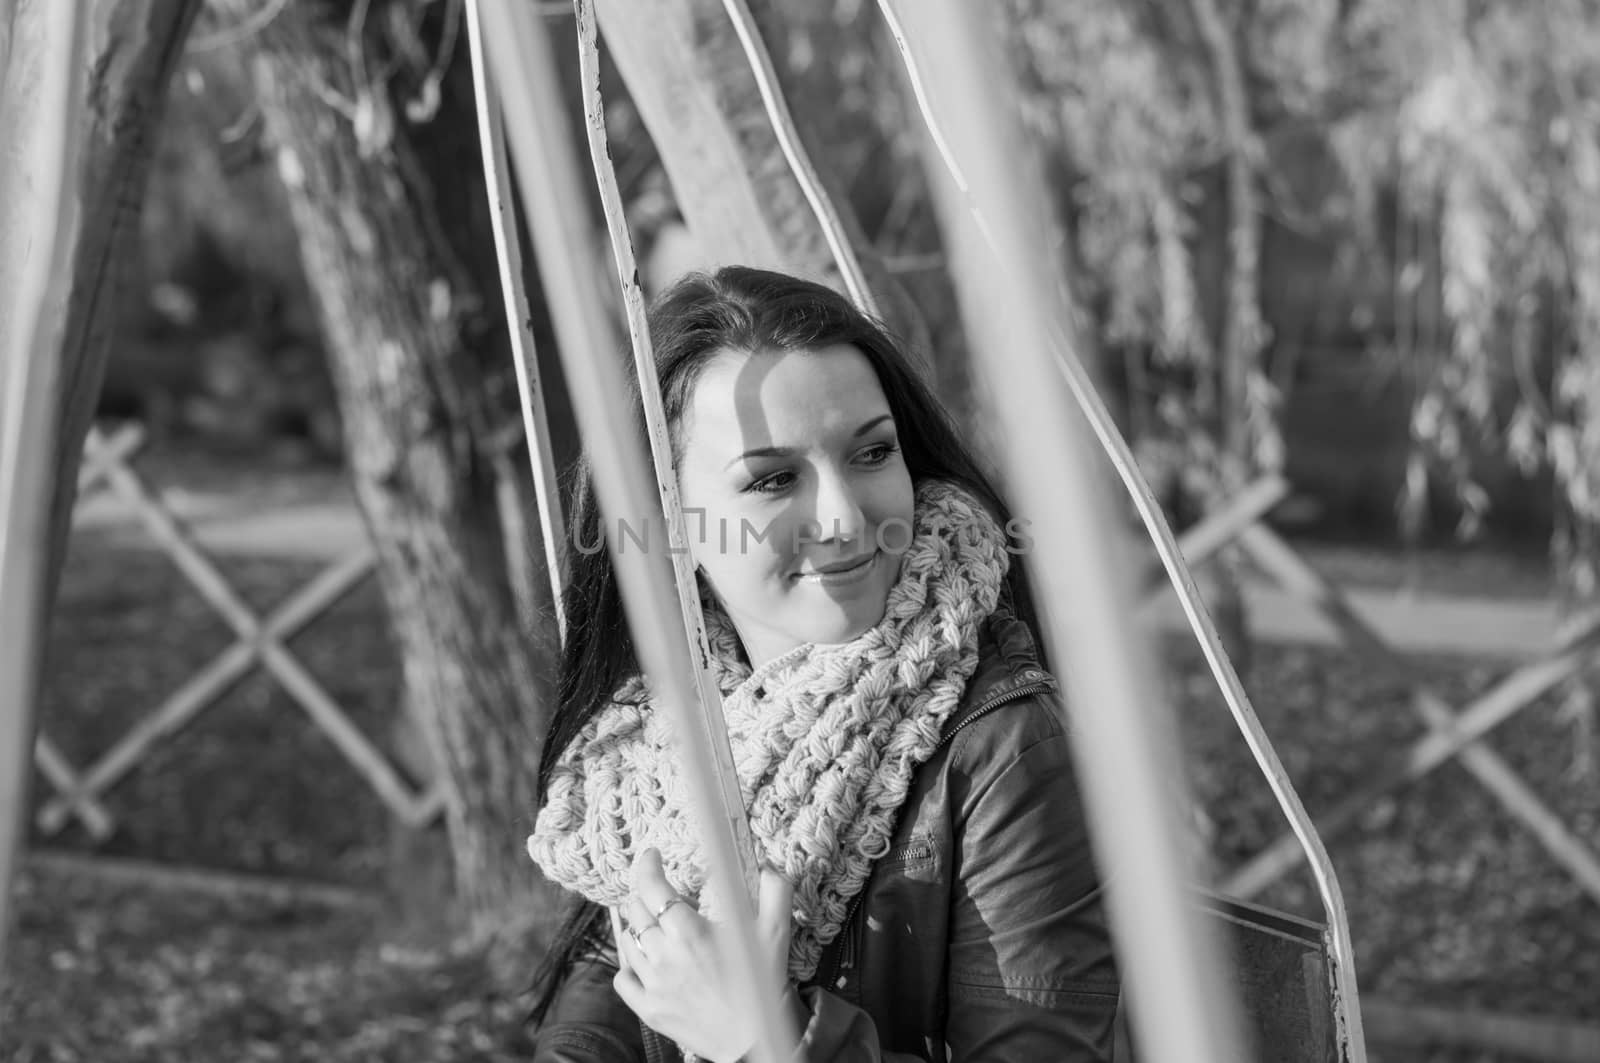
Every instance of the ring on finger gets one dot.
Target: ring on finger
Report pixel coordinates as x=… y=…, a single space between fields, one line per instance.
x=635 y=931
x=665 y=908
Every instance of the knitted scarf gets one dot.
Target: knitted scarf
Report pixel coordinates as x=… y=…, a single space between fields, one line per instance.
x=825 y=740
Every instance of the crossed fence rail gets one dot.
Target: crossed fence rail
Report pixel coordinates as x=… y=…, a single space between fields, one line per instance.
x=1453 y=734
x=260 y=642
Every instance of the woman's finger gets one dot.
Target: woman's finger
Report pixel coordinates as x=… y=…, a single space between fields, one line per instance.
x=637 y=914
x=774 y=900
x=635 y=957
x=618 y=934
x=650 y=883
x=630 y=957
x=631 y=990
x=774 y=916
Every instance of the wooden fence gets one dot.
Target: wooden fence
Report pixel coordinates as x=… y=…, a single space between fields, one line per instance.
x=259 y=643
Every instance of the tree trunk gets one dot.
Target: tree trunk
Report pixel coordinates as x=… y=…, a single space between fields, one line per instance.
x=392 y=218
x=695 y=89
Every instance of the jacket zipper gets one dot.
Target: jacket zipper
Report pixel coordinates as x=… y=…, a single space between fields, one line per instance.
x=653 y=1049
x=847 y=951
x=989 y=706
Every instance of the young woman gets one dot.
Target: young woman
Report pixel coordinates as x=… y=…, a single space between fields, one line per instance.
x=900 y=745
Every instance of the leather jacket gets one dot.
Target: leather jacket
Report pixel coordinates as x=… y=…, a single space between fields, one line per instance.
x=980 y=935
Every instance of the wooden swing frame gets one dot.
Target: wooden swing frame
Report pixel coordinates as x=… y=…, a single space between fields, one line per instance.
x=1167 y=952
x=38 y=225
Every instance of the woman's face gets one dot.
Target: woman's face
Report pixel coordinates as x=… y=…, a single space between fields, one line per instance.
x=800 y=502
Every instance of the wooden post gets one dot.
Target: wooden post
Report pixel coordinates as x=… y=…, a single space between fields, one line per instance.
x=687 y=74
x=136 y=47
x=1077 y=379
x=644 y=363
x=521 y=60
x=530 y=385
x=1010 y=298
x=699 y=74
x=829 y=221
x=41 y=97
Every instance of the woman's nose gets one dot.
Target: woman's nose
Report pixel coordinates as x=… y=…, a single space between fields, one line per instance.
x=838 y=514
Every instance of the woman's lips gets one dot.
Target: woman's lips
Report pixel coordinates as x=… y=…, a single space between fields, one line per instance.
x=844 y=576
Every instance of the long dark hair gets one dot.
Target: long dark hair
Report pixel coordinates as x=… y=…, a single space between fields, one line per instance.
x=739 y=309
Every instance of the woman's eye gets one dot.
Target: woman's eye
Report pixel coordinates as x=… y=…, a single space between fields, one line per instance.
x=772 y=484
x=877 y=455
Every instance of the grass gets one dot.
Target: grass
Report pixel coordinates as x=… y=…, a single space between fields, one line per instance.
x=101 y=971
x=248 y=783
x=106 y=973
x=1451 y=902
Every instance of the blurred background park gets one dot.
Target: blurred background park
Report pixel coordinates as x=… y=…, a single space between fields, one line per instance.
x=1335 y=262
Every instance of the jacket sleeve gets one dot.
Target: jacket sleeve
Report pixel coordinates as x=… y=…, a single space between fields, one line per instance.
x=587 y=1021
x=1031 y=974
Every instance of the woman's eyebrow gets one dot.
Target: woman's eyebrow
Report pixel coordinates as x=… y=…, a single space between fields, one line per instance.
x=870 y=425
x=779 y=452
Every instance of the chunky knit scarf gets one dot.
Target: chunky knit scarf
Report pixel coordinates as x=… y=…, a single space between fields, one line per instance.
x=825 y=739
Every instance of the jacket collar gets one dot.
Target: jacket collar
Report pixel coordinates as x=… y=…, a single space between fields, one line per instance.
x=1008 y=664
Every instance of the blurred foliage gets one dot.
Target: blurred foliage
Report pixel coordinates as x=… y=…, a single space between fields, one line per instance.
x=1448 y=148
x=1426 y=174
x=219 y=338
x=1479 y=120
x=1428 y=177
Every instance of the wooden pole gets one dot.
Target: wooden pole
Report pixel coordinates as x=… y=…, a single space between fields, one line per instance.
x=521 y=62
x=794 y=153
x=746 y=188
x=1010 y=291
x=41 y=100
x=1341 y=949
x=698 y=73
x=1222 y=526
x=508 y=252
x=715 y=733
x=1144 y=500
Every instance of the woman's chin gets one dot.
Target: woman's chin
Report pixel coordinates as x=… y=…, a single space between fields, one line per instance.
x=848 y=626
x=839 y=636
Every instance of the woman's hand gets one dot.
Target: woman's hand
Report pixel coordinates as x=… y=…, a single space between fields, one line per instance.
x=676 y=973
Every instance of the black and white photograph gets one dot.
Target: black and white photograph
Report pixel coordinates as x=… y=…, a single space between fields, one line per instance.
x=844 y=531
